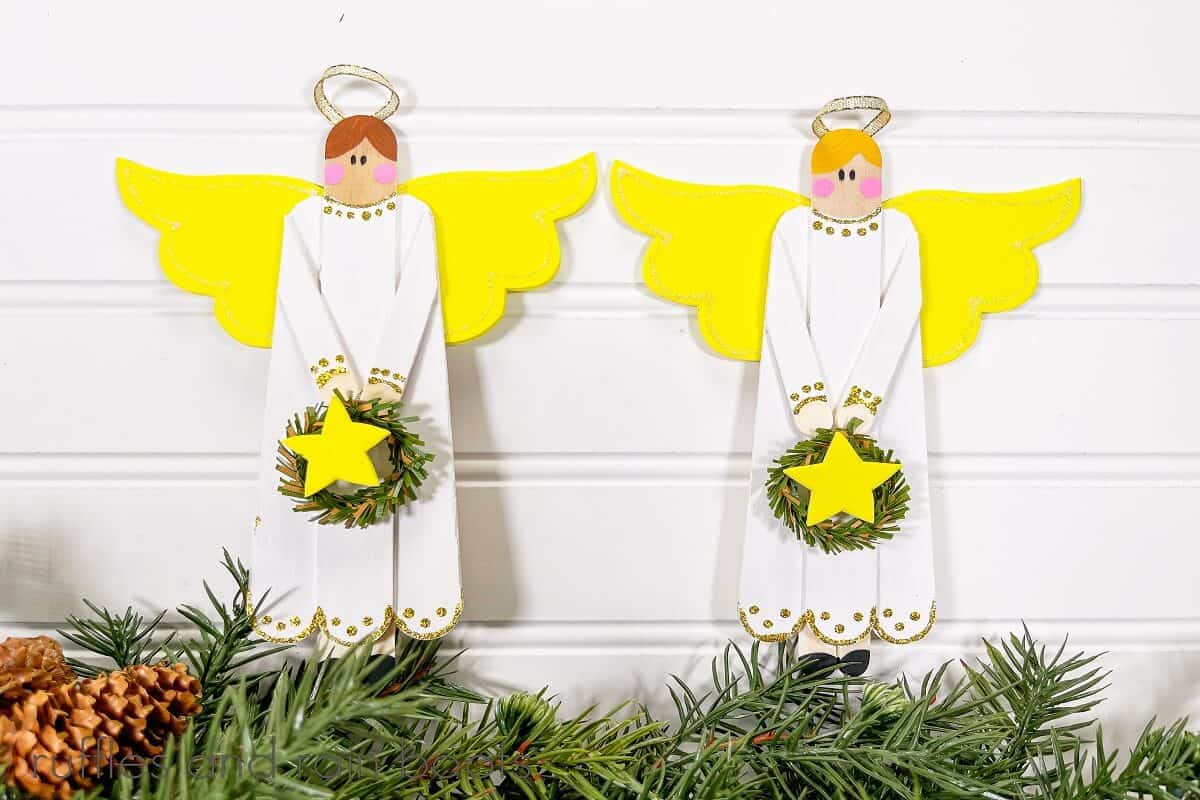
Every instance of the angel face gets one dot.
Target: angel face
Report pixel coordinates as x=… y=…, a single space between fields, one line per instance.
x=847 y=174
x=361 y=176
x=360 y=161
x=851 y=191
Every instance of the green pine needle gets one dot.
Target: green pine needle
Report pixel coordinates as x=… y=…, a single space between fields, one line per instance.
x=1017 y=725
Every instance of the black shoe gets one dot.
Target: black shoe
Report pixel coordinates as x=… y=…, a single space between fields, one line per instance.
x=813 y=664
x=855 y=662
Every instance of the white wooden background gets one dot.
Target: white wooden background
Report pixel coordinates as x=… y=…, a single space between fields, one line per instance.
x=601 y=450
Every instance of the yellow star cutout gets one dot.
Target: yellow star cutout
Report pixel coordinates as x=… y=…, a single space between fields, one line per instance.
x=339 y=451
x=841 y=482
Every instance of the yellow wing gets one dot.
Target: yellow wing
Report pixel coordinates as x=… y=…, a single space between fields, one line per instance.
x=977 y=256
x=221 y=236
x=496 y=233
x=710 y=246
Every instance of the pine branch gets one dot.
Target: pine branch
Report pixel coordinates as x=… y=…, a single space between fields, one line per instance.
x=124 y=640
x=1164 y=763
x=763 y=727
x=1046 y=699
x=224 y=645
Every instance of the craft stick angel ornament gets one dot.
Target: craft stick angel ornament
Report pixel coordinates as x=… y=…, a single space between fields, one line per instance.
x=843 y=298
x=357 y=287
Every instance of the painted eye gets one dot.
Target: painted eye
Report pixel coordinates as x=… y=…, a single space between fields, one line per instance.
x=851 y=174
x=362 y=159
x=353 y=160
x=841 y=174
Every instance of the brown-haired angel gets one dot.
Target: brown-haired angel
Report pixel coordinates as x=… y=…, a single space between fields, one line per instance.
x=349 y=286
x=358 y=311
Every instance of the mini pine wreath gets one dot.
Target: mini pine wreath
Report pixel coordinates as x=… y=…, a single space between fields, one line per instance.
x=789 y=500
x=370 y=504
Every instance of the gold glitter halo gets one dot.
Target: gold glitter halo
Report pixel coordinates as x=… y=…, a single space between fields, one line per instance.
x=857 y=102
x=332 y=112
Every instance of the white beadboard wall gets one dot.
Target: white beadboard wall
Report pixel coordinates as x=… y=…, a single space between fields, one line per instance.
x=601 y=449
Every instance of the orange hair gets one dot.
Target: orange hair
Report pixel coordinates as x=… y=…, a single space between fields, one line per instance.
x=837 y=147
x=346 y=135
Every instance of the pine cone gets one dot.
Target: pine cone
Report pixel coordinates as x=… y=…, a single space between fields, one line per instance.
x=52 y=744
x=30 y=665
x=141 y=705
x=72 y=735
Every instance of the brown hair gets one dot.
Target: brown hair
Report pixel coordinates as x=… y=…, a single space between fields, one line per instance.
x=346 y=135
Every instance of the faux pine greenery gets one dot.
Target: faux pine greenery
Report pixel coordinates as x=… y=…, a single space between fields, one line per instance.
x=1018 y=725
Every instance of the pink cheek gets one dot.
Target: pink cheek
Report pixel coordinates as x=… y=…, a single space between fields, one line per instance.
x=334 y=174
x=385 y=173
x=871 y=187
x=823 y=187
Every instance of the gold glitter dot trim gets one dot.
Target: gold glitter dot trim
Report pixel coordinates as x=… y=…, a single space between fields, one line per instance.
x=846 y=227
x=323 y=373
x=395 y=387
x=437 y=633
x=877 y=626
x=767 y=637
x=855 y=221
x=861 y=397
x=808 y=396
x=837 y=638
x=328 y=375
x=839 y=628
x=317 y=622
x=820 y=398
x=369 y=211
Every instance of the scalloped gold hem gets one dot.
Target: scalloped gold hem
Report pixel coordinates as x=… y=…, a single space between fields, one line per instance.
x=770 y=637
x=827 y=639
x=402 y=626
x=874 y=625
x=320 y=622
x=877 y=626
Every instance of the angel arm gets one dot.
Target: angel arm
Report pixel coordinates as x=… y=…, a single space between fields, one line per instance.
x=890 y=333
x=408 y=318
x=786 y=327
x=307 y=315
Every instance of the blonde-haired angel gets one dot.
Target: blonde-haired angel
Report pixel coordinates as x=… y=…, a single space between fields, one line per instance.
x=829 y=293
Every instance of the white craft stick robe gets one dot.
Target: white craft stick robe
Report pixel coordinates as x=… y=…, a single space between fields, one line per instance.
x=358 y=291
x=842 y=312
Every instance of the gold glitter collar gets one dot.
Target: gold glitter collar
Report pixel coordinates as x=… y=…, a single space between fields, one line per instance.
x=861 y=226
x=336 y=208
x=856 y=221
